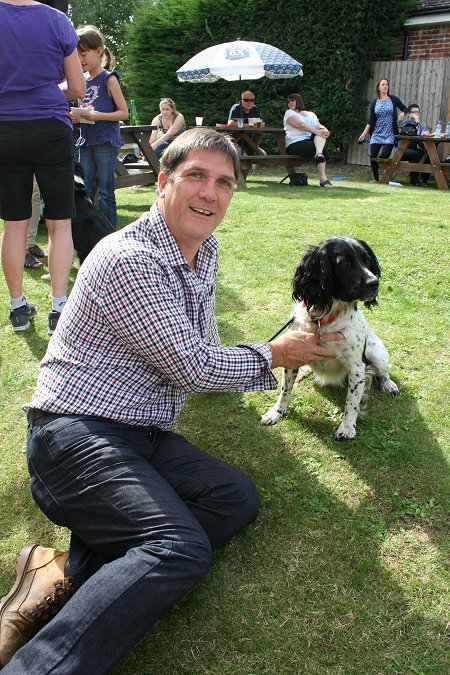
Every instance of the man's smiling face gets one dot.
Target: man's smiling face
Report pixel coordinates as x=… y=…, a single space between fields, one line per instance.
x=194 y=198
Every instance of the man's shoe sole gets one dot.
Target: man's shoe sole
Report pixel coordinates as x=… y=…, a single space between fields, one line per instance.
x=21 y=570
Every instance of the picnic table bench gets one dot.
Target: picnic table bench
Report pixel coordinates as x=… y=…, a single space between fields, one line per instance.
x=437 y=167
x=144 y=172
x=252 y=136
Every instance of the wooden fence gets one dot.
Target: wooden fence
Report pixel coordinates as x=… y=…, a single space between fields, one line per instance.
x=426 y=82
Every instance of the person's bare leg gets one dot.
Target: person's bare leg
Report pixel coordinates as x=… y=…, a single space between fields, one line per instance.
x=13 y=254
x=319 y=143
x=321 y=170
x=60 y=255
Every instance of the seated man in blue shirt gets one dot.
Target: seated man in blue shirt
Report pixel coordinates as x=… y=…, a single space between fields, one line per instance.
x=415 y=150
x=145 y=507
x=245 y=110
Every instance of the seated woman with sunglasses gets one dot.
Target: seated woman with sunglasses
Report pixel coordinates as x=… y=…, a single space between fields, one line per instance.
x=306 y=136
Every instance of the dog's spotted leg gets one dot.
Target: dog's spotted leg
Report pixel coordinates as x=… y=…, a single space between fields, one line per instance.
x=355 y=392
x=277 y=411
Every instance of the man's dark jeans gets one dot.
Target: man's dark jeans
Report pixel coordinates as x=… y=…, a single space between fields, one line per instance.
x=415 y=154
x=145 y=508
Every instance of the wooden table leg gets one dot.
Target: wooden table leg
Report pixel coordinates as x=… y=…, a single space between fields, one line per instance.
x=441 y=181
x=395 y=160
x=142 y=140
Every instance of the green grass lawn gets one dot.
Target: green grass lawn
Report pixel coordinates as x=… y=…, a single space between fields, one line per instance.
x=345 y=570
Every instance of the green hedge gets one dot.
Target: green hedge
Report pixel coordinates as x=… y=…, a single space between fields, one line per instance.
x=336 y=41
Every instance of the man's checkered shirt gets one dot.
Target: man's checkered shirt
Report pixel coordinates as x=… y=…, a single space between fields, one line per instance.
x=139 y=333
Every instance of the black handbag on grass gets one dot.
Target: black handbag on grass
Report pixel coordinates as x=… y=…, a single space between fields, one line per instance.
x=299 y=179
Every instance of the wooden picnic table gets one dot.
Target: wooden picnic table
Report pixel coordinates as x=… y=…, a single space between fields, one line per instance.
x=437 y=167
x=252 y=136
x=144 y=172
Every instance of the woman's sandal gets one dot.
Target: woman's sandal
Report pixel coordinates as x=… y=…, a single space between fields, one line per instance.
x=326 y=184
x=31 y=262
x=37 y=251
x=319 y=158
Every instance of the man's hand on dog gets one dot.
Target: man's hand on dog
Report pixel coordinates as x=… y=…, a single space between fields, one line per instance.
x=293 y=350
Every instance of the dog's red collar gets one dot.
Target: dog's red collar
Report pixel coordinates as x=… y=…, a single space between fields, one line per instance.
x=322 y=322
x=328 y=319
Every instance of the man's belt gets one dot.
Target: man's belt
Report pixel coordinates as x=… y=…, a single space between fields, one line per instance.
x=35 y=414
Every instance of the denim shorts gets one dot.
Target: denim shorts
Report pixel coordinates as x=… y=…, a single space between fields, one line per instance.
x=43 y=148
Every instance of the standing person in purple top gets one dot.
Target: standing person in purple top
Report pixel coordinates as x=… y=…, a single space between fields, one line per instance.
x=105 y=106
x=39 y=72
x=144 y=506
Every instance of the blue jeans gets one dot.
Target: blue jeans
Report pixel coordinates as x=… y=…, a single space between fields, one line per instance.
x=160 y=149
x=145 y=508
x=98 y=162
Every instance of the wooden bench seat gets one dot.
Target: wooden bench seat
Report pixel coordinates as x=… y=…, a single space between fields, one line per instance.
x=246 y=161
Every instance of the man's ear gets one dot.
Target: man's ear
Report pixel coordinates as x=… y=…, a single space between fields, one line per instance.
x=163 y=179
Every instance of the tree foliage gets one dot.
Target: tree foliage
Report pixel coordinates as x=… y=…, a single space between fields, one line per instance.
x=110 y=18
x=335 y=41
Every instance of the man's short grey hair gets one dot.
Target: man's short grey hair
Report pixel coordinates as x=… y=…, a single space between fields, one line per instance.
x=198 y=139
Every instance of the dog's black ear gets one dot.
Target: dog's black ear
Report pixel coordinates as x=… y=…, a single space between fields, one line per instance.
x=313 y=280
x=374 y=268
x=374 y=265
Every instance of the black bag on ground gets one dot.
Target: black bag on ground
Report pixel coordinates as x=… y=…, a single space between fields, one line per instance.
x=130 y=158
x=299 y=179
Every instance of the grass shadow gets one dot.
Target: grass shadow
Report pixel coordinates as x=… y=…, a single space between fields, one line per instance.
x=309 y=587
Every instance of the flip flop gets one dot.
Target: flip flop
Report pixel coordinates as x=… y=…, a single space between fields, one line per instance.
x=326 y=184
x=37 y=251
x=31 y=262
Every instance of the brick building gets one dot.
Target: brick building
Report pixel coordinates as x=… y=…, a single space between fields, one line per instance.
x=426 y=34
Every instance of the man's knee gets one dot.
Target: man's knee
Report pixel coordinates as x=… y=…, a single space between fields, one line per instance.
x=244 y=501
x=191 y=555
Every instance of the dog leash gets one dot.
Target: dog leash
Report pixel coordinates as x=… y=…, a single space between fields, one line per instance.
x=288 y=323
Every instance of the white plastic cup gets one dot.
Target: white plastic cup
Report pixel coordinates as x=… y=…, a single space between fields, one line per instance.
x=240 y=123
x=253 y=121
x=199 y=121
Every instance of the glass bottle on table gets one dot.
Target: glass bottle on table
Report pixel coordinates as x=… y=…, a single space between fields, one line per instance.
x=133 y=116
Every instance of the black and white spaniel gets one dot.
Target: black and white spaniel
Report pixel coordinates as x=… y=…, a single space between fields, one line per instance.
x=327 y=284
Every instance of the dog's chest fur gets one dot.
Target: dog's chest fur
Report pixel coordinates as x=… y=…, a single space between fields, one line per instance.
x=346 y=319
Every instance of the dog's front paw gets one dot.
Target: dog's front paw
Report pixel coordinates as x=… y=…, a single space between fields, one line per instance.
x=345 y=432
x=272 y=416
x=390 y=387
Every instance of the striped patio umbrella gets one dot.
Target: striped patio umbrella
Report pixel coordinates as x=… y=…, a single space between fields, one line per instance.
x=239 y=60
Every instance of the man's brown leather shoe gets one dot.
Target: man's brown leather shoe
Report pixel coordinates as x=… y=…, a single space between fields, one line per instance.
x=40 y=591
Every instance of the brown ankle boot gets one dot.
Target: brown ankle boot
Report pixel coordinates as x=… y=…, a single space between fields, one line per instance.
x=40 y=591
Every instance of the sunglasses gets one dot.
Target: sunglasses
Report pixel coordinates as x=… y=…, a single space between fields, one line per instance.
x=248 y=100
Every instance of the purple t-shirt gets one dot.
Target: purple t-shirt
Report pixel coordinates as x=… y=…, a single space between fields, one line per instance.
x=34 y=41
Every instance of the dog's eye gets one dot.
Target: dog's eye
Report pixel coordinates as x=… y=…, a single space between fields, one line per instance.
x=342 y=260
